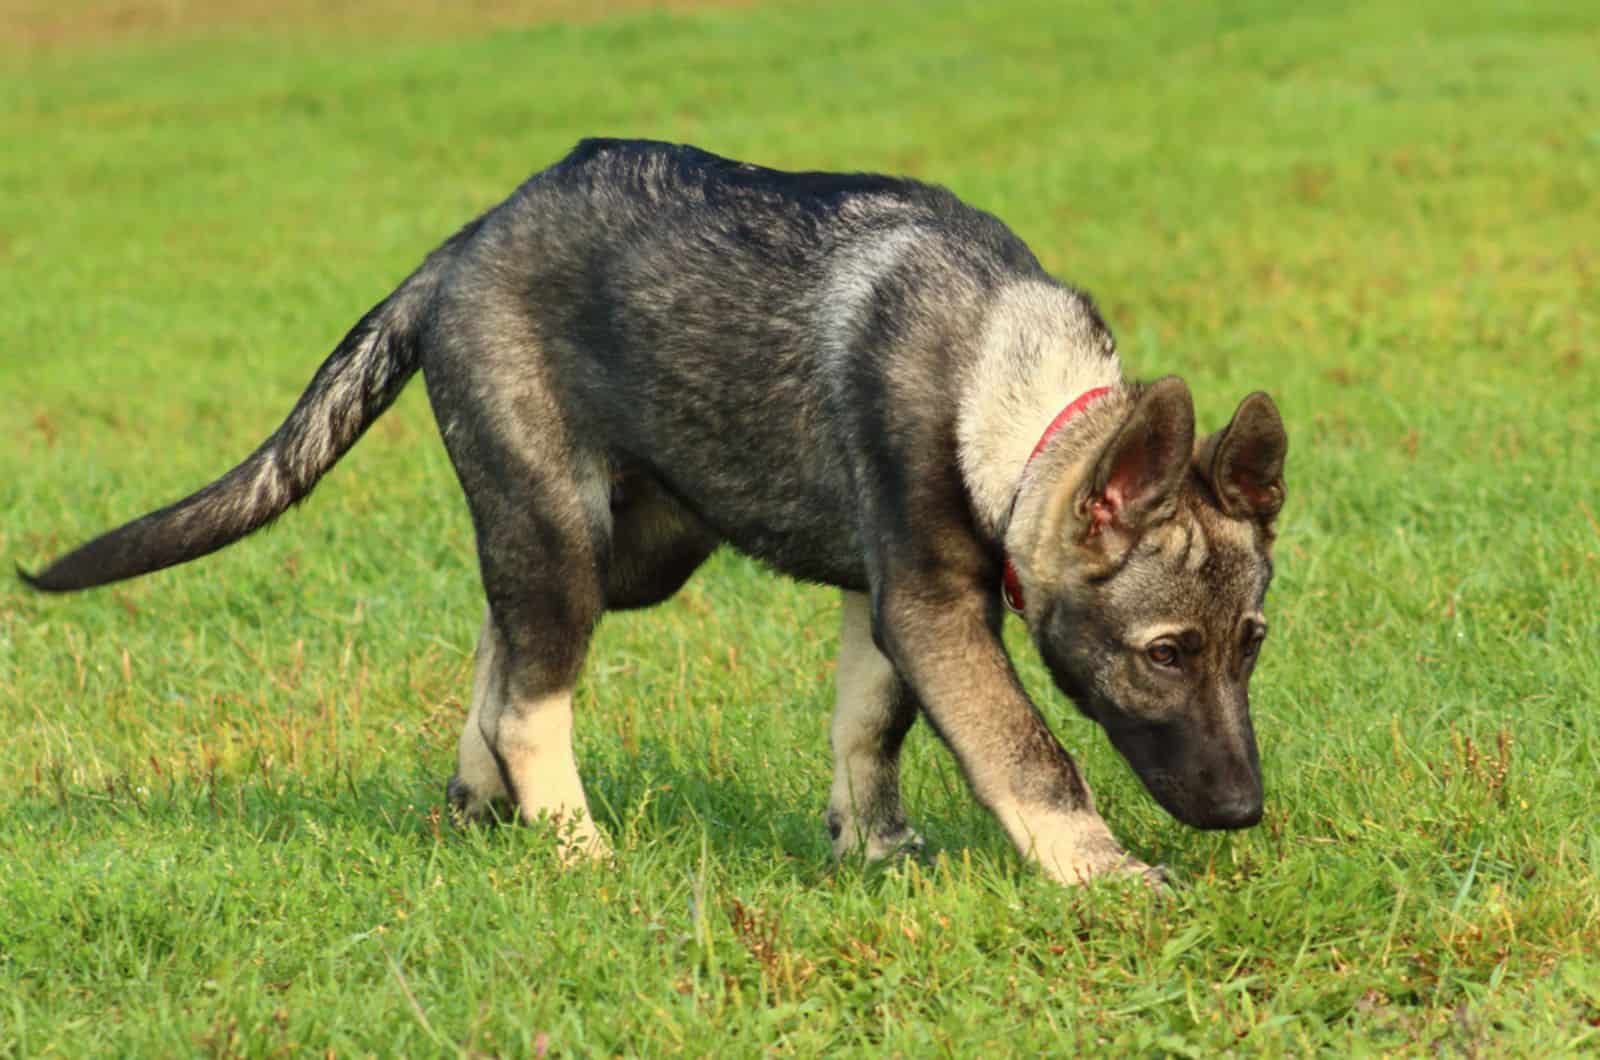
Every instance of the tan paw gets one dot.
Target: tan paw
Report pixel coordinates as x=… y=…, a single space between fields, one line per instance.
x=1075 y=848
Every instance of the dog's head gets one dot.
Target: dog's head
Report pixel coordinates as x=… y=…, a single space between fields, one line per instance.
x=1144 y=559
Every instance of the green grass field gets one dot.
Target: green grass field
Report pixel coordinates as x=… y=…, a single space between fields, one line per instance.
x=221 y=787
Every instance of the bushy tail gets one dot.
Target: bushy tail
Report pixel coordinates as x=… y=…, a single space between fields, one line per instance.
x=358 y=381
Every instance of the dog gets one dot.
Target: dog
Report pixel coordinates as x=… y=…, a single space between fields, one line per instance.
x=648 y=351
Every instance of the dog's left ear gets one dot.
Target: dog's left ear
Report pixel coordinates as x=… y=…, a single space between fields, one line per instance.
x=1243 y=462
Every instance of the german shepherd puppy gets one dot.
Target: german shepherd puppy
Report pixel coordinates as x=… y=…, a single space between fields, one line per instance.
x=648 y=350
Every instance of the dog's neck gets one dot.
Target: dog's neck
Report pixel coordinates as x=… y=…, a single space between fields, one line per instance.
x=1041 y=350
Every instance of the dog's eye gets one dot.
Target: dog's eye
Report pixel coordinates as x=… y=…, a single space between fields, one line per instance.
x=1252 y=641
x=1163 y=654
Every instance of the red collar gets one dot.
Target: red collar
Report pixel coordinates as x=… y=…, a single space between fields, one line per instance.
x=1010 y=587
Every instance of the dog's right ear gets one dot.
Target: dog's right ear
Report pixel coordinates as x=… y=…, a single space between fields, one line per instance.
x=1136 y=477
x=1243 y=462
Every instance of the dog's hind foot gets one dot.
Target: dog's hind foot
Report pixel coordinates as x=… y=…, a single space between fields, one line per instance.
x=467 y=807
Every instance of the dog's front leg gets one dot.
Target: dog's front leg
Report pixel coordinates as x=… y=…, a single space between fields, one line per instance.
x=946 y=642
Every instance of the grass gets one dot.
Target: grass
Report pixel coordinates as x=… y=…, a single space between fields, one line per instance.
x=222 y=785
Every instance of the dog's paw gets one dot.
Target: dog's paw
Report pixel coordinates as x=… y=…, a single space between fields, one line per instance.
x=467 y=807
x=1154 y=877
x=906 y=844
x=577 y=840
x=852 y=839
x=1076 y=867
x=1080 y=849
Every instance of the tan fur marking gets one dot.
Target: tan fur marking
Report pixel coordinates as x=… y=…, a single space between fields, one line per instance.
x=1184 y=544
x=1070 y=848
x=865 y=681
x=1141 y=636
x=1199 y=547
x=1039 y=352
x=535 y=743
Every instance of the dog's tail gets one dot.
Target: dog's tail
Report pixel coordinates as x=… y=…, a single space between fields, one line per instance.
x=358 y=381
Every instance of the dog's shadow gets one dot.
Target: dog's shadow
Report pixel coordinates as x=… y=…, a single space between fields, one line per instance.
x=640 y=802
x=655 y=799
x=648 y=802
x=757 y=816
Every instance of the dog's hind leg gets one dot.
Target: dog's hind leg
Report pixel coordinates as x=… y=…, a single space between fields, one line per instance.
x=874 y=711
x=541 y=508
x=542 y=577
x=519 y=754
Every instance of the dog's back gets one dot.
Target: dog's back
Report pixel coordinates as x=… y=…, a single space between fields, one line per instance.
x=703 y=320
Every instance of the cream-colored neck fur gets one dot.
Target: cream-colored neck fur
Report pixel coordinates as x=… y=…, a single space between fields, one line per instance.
x=1040 y=350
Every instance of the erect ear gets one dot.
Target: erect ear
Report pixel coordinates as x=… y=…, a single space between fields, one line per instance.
x=1138 y=472
x=1243 y=462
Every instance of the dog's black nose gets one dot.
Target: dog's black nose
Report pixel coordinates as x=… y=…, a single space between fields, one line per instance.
x=1239 y=812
